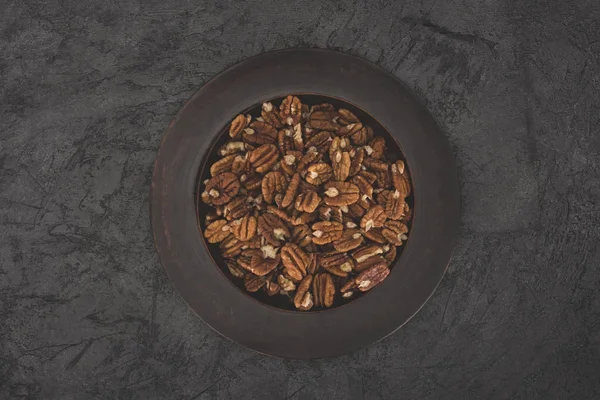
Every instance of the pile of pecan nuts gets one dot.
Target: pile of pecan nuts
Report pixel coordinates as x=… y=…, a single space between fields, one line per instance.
x=308 y=203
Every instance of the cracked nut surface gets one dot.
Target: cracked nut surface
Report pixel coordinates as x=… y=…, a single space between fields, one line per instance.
x=306 y=202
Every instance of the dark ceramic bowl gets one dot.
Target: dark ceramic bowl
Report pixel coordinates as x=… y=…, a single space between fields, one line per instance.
x=266 y=324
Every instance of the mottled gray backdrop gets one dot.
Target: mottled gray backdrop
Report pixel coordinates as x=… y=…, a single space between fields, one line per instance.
x=87 y=89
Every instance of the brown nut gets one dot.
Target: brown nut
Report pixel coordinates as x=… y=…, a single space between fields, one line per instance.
x=303 y=298
x=310 y=157
x=270 y=116
x=362 y=137
x=273 y=229
x=232 y=148
x=350 y=129
x=340 y=193
x=347 y=117
x=375 y=165
x=222 y=165
x=297 y=139
x=231 y=247
x=286 y=284
x=339 y=264
x=273 y=183
x=285 y=142
x=262 y=261
x=372 y=277
x=290 y=192
x=369 y=263
x=253 y=283
x=301 y=235
x=326 y=232
x=375 y=235
x=364 y=252
x=272 y=288
x=263 y=158
x=384 y=180
x=323 y=290
x=295 y=261
x=356 y=162
x=339 y=143
x=373 y=218
x=363 y=185
x=394 y=205
x=341 y=165
x=351 y=239
x=237 y=208
x=235 y=269
x=313 y=264
x=290 y=110
x=321 y=141
x=300 y=218
x=307 y=201
x=244 y=228
x=216 y=231
x=323 y=120
x=237 y=125
x=399 y=179
x=395 y=232
x=319 y=173
x=390 y=255
x=378 y=146
x=222 y=188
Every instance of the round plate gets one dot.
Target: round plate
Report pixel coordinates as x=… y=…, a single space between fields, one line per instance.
x=212 y=295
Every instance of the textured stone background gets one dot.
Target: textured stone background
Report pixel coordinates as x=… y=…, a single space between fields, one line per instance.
x=87 y=89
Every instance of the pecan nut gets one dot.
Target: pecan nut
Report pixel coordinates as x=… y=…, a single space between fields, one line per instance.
x=326 y=232
x=216 y=231
x=371 y=277
x=323 y=290
x=263 y=158
x=340 y=193
x=303 y=299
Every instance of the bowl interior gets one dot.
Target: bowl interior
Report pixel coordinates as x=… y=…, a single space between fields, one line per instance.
x=394 y=152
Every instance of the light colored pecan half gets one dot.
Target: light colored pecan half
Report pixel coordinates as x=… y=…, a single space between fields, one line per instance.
x=290 y=110
x=216 y=231
x=303 y=299
x=319 y=173
x=373 y=218
x=378 y=146
x=273 y=183
x=244 y=228
x=270 y=116
x=295 y=261
x=307 y=201
x=339 y=264
x=341 y=165
x=395 y=232
x=238 y=124
x=326 y=232
x=364 y=252
x=351 y=239
x=340 y=193
x=347 y=117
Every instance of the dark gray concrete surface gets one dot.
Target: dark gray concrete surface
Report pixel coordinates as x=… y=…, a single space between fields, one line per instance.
x=86 y=91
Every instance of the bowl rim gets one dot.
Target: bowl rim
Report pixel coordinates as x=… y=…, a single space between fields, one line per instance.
x=254 y=324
